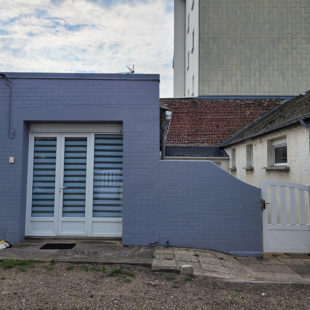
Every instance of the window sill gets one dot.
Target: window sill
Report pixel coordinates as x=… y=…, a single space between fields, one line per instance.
x=249 y=168
x=278 y=168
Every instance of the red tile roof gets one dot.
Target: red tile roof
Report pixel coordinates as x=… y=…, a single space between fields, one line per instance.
x=212 y=121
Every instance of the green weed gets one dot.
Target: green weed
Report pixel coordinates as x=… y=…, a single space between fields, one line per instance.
x=11 y=263
x=126 y=280
x=120 y=271
x=84 y=268
x=69 y=268
x=49 y=268
x=20 y=268
x=170 y=278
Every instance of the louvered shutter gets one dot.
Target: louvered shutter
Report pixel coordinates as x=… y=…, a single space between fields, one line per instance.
x=108 y=176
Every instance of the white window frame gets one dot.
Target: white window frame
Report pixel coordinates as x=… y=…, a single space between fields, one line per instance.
x=249 y=156
x=275 y=144
x=188 y=57
x=193 y=41
x=193 y=85
x=233 y=159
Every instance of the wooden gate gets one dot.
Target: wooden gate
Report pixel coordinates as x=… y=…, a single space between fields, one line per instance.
x=286 y=217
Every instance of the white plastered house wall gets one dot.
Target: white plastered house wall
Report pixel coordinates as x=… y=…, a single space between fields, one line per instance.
x=298 y=157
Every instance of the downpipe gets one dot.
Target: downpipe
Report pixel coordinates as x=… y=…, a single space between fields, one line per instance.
x=8 y=82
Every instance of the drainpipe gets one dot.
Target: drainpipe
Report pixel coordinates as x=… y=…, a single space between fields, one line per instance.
x=164 y=127
x=303 y=123
x=11 y=131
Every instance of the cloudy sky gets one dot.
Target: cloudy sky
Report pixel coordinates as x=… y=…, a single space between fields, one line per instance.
x=96 y=36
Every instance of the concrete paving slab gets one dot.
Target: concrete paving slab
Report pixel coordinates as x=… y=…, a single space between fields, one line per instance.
x=165 y=265
x=302 y=271
x=209 y=261
x=271 y=261
x=271 y=269
x=294 y=261
x=206 y=254
x=94 y=251
x=186 y=255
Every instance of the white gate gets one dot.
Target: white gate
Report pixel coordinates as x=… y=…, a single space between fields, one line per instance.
x=286 y=217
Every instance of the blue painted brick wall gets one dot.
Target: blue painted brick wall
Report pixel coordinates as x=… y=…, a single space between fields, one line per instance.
x=194 y=204
x=134 y=100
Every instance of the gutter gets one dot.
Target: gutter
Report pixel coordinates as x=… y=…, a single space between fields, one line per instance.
x=261 y=133
x=8 y=82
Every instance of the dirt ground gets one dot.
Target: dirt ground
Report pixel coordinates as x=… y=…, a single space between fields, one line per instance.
x=29 y=285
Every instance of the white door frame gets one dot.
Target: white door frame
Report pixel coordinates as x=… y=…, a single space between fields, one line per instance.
x=69 y=222
x=53 y=226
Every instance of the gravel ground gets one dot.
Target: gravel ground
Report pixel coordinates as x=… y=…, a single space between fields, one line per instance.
x=66 y=286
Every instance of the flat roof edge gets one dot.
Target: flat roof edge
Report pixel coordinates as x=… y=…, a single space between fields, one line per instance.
x=82 y=76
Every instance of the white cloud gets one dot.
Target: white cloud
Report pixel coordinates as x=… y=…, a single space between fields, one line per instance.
x=83 y=36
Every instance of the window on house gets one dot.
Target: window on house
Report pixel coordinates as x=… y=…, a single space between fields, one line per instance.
x=193 y=41
x=279 y=152
x=188 y=22
x=249 y=156
x=193 y=85
x=233 y=159
x=188 y=60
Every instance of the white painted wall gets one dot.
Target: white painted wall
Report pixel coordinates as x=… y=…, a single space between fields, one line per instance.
x=192 y=70
x=298 y=158
x=254 y=47
x=179 y=48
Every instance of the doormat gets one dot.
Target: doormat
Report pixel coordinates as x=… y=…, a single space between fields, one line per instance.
x=58 y=246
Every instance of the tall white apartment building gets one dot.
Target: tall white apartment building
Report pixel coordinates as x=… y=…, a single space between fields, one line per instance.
x=241 y=47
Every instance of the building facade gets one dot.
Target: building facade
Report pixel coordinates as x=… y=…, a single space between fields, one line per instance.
x=236 y=47
x=252 y=161
x=275 y=147
x=80 y=157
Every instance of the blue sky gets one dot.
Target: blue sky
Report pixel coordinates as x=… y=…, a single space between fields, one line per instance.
x=88 y=36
